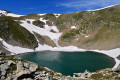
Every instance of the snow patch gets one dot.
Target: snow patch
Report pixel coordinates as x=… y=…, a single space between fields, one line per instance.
x=15 y=49
x=86 y=36
x=41 y=14
x=3 y=12
x=42 y=31
x=117 y=63
x=57 y=15
x=48 y=28
x=73 y=27
x=9 y=14
x=43 y=20
x=55 y=29
x=14 y=15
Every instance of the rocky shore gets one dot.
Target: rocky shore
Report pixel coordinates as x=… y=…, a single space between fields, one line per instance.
x=14 y=68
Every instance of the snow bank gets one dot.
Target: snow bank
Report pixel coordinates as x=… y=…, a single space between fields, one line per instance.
x=13 y=15
x=42 y=31
x=14 y=49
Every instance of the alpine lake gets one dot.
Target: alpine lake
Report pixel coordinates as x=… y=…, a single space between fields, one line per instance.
x=68 y=63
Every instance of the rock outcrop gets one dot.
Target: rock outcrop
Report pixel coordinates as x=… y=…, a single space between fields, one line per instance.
x=84 y=75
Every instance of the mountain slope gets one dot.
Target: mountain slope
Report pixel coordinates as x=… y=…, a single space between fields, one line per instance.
x=14 y=34
x=87 y=29
x=28 y=31
x=94 y=29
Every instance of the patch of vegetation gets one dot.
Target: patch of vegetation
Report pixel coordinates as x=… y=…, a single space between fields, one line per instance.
x=71 y=34
x=96 y=76
x=52 y=31
x=28 y=22
x=12 y=68
x=45 y=40
x=119 y=78
x=49 y=23
x=49 y=16
x=39 y=23
x=40 y=38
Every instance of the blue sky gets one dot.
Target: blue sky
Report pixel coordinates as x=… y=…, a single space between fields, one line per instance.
x=53 y=6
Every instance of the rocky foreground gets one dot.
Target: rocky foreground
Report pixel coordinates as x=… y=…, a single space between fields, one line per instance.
x=13 y=68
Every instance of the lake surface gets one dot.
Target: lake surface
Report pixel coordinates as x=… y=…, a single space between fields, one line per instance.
x=68 y=63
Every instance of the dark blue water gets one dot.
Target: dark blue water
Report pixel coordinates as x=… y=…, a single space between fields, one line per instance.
x=68 y=63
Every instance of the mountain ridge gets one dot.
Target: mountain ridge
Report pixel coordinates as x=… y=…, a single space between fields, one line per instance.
x=59 y=13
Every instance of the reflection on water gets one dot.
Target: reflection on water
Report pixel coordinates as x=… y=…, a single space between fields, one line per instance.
x=70 y=62
x=48 y=57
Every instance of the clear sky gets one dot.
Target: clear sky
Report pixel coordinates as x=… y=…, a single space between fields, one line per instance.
x=53 y=6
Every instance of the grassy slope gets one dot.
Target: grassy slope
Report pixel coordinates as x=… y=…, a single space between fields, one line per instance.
x=103 y=26
x=14 y=34
x=45 y=40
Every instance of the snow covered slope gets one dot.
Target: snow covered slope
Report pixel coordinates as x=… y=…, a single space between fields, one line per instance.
x=3 y=12
x=42 y=31
x=14 y=15
x=46 y=31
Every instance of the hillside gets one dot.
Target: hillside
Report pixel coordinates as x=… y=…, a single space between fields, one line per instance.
x=94 y=29
x=87 y=29
x=14 y=34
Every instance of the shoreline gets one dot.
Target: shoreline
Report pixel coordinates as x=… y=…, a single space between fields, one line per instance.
x=114 y=53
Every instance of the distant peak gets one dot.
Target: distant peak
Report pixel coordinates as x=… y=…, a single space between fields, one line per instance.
x=7 y=11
